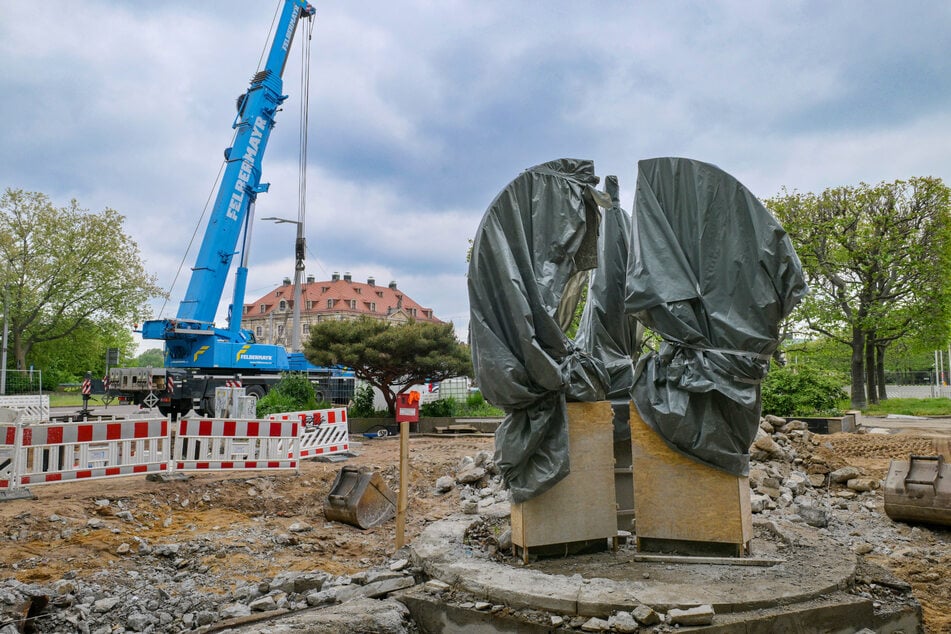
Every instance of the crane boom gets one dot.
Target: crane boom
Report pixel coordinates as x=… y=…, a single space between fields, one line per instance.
x=191 y=339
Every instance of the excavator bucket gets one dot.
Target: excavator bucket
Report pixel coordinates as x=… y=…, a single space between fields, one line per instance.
x=919 y=490
x=359 y=498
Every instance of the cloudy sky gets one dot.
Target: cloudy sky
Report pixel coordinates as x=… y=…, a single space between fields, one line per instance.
x=421 y=111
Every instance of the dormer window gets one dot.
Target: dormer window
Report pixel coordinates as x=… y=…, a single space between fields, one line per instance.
x=263 y=308
x=330 y=303
x=283 y=305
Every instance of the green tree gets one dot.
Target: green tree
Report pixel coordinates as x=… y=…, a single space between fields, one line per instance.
x=153 y=357
x=876 y=259
x=65 y=269
x=68 y=359
x=390 y=357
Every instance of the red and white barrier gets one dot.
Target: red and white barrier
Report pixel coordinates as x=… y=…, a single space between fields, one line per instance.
x=222 y=444
x=322 y=432
x=34 y=454
x=9 y=441
x=89 y=450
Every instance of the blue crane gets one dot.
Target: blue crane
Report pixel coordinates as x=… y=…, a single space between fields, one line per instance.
x=191 y=339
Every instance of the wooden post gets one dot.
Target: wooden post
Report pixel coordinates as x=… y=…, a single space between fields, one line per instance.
x=407 y=411
x=404 y=486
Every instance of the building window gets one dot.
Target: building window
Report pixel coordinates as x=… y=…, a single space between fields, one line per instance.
x=280 y=330
x=306 y=329
x=263 y=308
x=330 y=303
x=283 y=305
x=259 y=331
x=310 y=305
x=372 y=307
x=353 y=304
x=412 y=311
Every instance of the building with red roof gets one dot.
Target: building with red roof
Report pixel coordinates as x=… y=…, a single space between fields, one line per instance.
x=270 y=317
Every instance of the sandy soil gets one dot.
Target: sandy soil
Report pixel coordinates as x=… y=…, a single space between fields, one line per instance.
x=249 y=517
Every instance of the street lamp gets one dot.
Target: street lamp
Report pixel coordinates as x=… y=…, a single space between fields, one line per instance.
x=299 y=250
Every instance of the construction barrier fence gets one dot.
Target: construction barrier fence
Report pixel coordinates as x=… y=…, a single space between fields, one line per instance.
x=324 y=431
x=28 y=407
x=34 y=454
x=220 y=444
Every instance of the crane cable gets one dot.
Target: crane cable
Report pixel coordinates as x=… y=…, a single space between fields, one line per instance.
x=304 y=116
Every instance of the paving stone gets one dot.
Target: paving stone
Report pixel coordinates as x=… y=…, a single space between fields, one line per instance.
x=699 y=615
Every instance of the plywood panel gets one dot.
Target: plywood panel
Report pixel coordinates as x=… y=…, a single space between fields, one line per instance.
x=581 y=506
x=680 y=499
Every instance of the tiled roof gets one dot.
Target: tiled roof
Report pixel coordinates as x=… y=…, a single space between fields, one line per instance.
x=347 y=296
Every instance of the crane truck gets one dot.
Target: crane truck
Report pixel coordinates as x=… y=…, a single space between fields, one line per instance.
x=199 y=356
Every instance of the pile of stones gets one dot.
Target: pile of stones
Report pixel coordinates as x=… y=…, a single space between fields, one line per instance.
x=162 y=600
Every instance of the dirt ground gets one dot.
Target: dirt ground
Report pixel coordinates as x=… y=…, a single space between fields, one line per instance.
x=930 y=577
x=251 y=517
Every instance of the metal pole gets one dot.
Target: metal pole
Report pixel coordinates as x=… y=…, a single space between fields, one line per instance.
x=300 y=248
x=3 y=350
x=934 y=389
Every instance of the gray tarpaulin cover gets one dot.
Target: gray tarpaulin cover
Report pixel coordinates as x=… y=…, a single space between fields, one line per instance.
x=714 y=274
x=529 y=261
x=605 y=331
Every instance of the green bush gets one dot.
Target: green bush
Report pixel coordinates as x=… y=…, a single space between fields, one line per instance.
x=442 y=408
x=802 y=390
x=362 y=404
x=292 y=393
x=475 y=400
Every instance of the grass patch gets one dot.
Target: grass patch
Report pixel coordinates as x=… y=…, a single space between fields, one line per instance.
x=66 y=399
x=74 y=399
x=911 y=407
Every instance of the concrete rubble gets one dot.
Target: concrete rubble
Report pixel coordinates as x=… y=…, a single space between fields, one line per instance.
x=172 y=591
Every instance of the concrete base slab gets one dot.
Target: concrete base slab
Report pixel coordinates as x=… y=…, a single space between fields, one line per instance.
x=808 y=583
x=21 y=493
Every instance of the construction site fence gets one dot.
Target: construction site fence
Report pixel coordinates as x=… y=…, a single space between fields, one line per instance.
x=34 y=453
x=28 y=407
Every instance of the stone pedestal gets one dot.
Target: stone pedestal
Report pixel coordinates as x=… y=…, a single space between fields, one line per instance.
x=684 y=506
x=581 y=507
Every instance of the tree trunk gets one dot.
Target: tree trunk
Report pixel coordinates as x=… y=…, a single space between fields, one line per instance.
x=390 y=397
x=880 y=371
x=857 y=369
x=21 y=348
x=870 y=375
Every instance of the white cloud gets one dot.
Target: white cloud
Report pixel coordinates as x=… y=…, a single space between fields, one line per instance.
x=421 y=112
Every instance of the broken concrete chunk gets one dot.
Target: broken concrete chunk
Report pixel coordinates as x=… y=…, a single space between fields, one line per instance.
x=844 y=474
x=645 y=615
x=699 y=615
x=862 y=484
